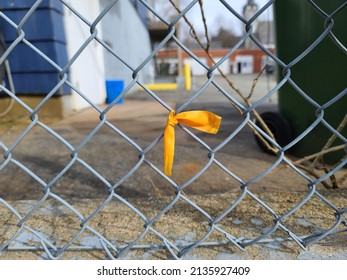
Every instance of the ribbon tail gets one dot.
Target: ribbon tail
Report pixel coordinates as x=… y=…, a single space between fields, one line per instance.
x=201 y=120
x=169 y=149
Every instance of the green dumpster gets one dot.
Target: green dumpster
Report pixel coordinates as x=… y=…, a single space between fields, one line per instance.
x=321 y=74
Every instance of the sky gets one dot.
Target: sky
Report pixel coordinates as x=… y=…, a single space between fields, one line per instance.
x=218 y=15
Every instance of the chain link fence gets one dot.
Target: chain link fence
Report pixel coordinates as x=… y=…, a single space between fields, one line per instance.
x=215 y=226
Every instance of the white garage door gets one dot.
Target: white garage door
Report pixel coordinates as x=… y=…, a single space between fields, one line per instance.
x=196 y=67
x=225 y=66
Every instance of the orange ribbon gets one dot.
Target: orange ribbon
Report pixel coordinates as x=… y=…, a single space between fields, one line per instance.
x=202 y=120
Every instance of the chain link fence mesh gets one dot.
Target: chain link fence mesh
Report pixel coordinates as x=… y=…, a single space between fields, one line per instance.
x=213 y=223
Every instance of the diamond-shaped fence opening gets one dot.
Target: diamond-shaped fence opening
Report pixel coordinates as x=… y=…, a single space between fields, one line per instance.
x=80 y=175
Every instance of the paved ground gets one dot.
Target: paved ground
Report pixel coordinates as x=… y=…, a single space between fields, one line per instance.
x=181 y=225
x=142 y=119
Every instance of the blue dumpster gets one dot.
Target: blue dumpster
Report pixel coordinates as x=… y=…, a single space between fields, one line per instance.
x=31 y=73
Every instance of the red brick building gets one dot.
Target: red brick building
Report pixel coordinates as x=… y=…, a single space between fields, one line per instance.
x=244 y=61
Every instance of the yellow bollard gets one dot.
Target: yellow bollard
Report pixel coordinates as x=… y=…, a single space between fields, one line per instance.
x=187 y=76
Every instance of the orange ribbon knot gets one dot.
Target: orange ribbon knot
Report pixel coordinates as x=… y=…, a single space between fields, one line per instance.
x=201 y=120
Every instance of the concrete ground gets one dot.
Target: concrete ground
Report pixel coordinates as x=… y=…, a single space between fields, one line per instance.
x=143 y=119
x=180 y=225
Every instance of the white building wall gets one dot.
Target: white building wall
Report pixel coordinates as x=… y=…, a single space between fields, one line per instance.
x=128 y=37
x=122 y=29
x=87 y=73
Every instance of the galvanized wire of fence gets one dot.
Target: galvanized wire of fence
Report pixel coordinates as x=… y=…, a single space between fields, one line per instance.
x=111 y=248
